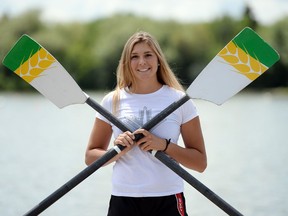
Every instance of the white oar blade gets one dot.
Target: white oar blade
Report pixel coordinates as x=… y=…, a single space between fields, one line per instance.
x=39 y=68
x=240 y=62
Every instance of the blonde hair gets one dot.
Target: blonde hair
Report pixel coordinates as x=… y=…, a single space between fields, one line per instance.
x=125 y=76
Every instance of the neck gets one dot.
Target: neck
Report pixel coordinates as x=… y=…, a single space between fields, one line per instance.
x=144 y=88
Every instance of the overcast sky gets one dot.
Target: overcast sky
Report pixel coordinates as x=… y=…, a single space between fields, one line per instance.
x=265 y=11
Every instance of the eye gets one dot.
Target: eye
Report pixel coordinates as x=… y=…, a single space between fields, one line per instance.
x=134 y=57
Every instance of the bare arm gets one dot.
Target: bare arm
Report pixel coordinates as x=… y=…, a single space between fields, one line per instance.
x=99 y=141
x=192 y=156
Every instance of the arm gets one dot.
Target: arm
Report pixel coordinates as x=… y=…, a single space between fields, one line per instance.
x=192 y=156
x=99 y=141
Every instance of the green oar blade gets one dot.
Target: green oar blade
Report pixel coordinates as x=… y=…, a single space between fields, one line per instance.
x=39 y=68
x=240 y=62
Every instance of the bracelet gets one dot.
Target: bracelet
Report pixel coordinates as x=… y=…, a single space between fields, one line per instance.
x=167 y=143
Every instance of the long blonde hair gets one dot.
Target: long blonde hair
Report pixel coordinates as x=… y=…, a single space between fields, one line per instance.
x=125 y=76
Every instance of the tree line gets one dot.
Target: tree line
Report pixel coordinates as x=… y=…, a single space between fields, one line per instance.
x=90 y=51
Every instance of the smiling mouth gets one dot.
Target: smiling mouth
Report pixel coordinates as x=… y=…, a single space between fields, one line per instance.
x=143 y=70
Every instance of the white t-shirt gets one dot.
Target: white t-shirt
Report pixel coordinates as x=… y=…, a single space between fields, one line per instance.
x=138 y=173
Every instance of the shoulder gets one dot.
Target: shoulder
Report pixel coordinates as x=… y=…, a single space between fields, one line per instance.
x=188 y=110
x=108 y=98
x=173 y=92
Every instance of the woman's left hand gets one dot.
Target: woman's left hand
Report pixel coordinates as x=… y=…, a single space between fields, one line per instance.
x=150 y=141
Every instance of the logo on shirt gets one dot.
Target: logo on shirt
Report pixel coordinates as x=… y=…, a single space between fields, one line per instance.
x=135 y=122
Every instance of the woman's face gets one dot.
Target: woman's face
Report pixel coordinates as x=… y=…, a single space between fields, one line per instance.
x=144 y=62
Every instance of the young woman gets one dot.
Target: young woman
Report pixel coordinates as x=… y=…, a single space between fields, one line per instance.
x=142 y=185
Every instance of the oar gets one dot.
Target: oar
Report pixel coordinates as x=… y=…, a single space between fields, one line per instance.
x=34 y=64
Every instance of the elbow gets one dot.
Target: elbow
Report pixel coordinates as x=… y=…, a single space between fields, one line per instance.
x=202 y=167
x=203 y=163
x=87 y=158
x=87 y=162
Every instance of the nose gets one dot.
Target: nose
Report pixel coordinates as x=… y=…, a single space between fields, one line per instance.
x=142 y=61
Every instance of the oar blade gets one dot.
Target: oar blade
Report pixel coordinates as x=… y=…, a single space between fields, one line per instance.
x=240 y=62
x=39 y=68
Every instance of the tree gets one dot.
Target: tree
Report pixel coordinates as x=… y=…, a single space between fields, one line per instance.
x=249 y=18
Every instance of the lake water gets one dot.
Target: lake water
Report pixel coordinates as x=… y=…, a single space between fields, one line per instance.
x=42 y=147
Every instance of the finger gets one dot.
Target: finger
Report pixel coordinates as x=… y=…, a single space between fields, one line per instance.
x=141 y=131
x=144 y=136
x=125 y=139
x=122 y=142
x=129 y=137
x=146 y=146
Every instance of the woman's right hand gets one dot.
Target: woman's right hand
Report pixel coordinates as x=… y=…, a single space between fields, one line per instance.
x=125 y=139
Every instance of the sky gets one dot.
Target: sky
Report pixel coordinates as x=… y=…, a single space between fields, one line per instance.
x=265 y=11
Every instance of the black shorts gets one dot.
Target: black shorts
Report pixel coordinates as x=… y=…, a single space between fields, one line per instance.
x=173 y=205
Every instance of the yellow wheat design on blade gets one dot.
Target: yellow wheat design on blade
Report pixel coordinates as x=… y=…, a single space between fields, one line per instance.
x=35 y=65
x=242 y=61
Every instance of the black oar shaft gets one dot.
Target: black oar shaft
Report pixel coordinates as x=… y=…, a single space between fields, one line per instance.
x=47 y=202
x=164 y=113
x=209 y=194
x=113 y=152
x=52 y=198
x=149 y=125
x=165 y=159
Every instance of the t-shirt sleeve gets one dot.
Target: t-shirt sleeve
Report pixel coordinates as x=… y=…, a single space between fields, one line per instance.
x=107 y=104
x=189 y=111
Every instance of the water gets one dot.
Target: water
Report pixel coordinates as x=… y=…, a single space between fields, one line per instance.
x=42 y=147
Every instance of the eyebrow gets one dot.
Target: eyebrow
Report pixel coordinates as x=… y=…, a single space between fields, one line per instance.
x=134 y=53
